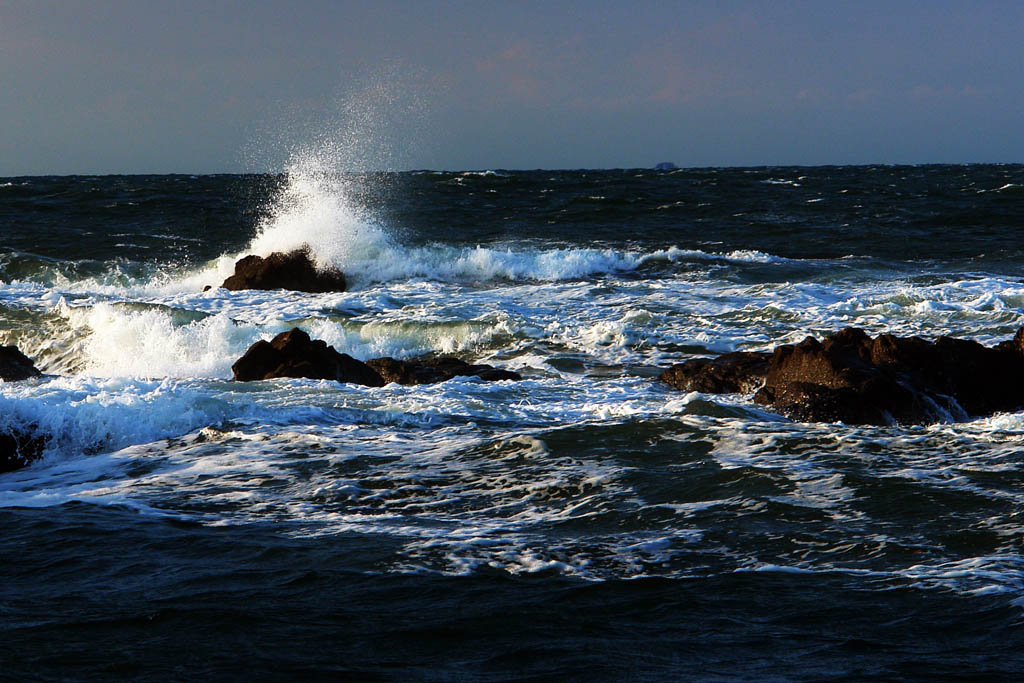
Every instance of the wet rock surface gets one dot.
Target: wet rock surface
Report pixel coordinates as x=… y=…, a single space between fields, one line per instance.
x=294 y=354
x=853 y=378
x=731 y=373
x=435 y=370
x=20 y=447
x=16 y=366
x=294 y=270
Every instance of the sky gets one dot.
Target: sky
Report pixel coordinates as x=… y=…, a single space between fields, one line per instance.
x=208 y=86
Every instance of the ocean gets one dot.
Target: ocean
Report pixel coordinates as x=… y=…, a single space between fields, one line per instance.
x=586 y=523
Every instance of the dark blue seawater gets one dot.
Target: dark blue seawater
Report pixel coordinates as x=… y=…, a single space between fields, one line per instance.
x=586 y=523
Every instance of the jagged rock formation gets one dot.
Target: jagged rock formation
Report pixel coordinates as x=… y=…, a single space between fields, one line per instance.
x=294 y=354
x=853 y=378
x=731 y=373
x=294 y=270
x=16 y=366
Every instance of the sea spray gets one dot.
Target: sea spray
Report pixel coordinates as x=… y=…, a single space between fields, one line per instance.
x=365 y=133
x=313 y=209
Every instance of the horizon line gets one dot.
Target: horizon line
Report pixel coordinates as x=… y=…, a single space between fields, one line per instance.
x=500 y=169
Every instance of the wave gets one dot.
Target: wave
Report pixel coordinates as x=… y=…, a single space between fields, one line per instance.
x=371 y=257
x=316 y=208
x=321 y=208
x=313 y=210
x=487 y=173
x=378 y=260
x=83 y=415
x=146 y=340
x=1013 y=188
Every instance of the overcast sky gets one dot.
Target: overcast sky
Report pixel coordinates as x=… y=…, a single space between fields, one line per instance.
x=202 y=86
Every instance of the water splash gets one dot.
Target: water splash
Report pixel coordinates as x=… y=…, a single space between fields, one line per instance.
x=314 y=208
x=373 y=128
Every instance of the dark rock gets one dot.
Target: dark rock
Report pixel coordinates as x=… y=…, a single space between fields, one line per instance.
x=16 y=366
x=294 y=354
x=489 y=374
x=453 y=367
x=1015 y=345
x=294 y=270
x=731 y=373
x=853 y=378
x=20 y=447
x=435 y=370
x=404 y=372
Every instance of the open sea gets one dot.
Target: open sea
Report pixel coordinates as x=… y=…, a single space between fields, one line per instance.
x=586 y=523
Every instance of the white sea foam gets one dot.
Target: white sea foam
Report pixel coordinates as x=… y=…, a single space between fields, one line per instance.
x=162 y=331
x=367 y=256
x=87 y=415
x=148 y=343
x=1003 y=188
x=467 y=476
x=974 y=575
x=493 y=174
x=120 y=340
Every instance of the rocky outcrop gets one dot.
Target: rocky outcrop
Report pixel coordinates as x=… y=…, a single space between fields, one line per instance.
x=435 y=370
x=294 y=270
x=853 y=378
x=16 y=366
x=1016 y=344
x=294 y=354
x=731 y=373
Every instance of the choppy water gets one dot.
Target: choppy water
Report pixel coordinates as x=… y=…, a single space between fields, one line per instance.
x=587 y=522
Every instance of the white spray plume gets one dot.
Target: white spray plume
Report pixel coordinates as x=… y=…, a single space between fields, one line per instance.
x=373 y=127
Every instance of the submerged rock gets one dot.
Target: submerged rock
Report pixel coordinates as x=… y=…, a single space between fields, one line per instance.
x=294 y=354
x=294 y=270
x=435 y=370
x=853 y=378
x=16 y=366
x=20 y=447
